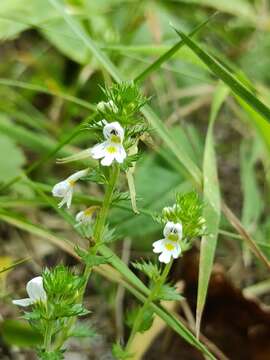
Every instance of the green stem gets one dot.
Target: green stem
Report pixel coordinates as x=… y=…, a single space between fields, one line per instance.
x=151 y=297
x=98 y=232
x=48 y=336
x=102 y=216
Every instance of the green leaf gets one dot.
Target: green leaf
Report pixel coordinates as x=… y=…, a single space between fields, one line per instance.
x=51 y=355
x=11 y=165
x=212 y=208
x=83 y=331
x=169 y=293
x=90 y=259
x=148 y=268
x=252 y=202
x=229 y=79
x=147 y=319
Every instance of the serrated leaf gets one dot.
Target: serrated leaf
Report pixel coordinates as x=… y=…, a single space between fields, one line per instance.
x=51 y=355
x=148 y=268
x=169 y=293
x=90 y=259
x=82 y=331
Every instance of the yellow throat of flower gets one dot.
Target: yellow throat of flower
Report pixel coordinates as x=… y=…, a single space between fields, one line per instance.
x=111 y=149
x=169 y=246
x=90 y=211
x=71 y=182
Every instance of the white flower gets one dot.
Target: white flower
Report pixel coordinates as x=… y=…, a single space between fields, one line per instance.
x=111 y=149
x=103 y=106
x=86 y=216
x=64 y=189
x=169 y=247
x=35 y=291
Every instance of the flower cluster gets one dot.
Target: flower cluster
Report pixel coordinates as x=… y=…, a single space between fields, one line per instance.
x=169 y=247
x=121 y=126
x=112 y=148
x=53 y=298
x=183 y=223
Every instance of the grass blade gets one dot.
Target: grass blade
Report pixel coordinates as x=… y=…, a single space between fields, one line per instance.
x=79 y=31
x=16 y=263
x=38 y=88
x=212 y=208
x=229 y=79
x=168 y=54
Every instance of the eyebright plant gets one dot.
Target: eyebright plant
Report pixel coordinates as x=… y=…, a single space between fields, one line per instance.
x=56 y=298
x=53 y=301
x=183 y=224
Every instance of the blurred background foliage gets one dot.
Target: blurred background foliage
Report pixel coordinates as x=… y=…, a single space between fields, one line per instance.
x=50 y=83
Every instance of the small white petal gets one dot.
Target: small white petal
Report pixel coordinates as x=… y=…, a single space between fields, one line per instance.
x=107 y=160
x=99 y=150
x=68 y=197
x=120 y=155
x=60 y=189
x=176 y=252
x=158 y=246
x=35 y=289
x=165 y=257
x=172 y=228
x=168 y=228
x=78 y=175
x=79 y=216
x=23 y=302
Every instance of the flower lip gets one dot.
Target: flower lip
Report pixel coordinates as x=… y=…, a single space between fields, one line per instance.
x=169 y=247
x=111 y=149
x=35 y=291
x=173 y=231
x=114 y=129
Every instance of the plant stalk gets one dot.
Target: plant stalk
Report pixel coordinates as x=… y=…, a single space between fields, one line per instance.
x=151 y=297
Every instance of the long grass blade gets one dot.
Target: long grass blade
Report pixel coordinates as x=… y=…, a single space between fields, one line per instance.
x=212 y=208
x=229 y=79
x=168 y=54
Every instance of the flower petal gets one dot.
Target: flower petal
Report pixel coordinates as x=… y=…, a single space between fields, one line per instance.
x=77 y=175
x=165 y=256
x=68 y=197
x=99 y=150
x=35 y=289
x=107 y=160
x=176 y=252
x=23 y=302
x=120 y=155
x=168 y=228
x=60 y=189
x=79 y=216
x=113 y=128
x=158 y=246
